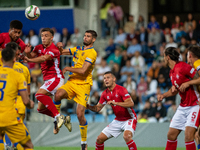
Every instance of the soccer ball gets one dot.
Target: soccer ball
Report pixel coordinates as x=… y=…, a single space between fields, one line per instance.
x=32 y=12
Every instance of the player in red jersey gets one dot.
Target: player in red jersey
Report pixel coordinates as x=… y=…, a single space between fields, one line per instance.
x=12 y=35
x=48 y=56
x=122 y=105
x=187 y=115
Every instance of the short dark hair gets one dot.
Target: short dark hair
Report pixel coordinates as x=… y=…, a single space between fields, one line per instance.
x=8 y=54
x=94 y=34
x=172 y=53
x=48 y=29
x=109 y=72
x=13 y=45
x=195 y=51
x=16 y=24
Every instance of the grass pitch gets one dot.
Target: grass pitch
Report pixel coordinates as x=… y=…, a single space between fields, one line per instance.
x=105 y=148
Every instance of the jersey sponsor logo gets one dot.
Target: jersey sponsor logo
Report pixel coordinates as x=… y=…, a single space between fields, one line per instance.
x=82 y=53
x=192 y=70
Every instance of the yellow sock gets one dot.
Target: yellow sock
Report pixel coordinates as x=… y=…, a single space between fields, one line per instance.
x=1 y=145
x=83 y=130
x=57 y=104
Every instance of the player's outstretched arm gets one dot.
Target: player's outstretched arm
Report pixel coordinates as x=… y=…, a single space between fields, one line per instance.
x=39 y=59
x=62 y=51
x=169 y=93
x=26 y=100
x=81 y=71
x=127 y=103
x=95 y=108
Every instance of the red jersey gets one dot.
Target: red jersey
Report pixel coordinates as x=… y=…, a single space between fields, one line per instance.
x=50 y=68
x=118 y=94
x=181 y=73
x=5 y=38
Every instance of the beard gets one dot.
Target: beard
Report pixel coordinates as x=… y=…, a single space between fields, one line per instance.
x=86 y=44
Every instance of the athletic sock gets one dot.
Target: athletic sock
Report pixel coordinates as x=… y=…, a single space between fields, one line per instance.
x=198 y=146
x=131 y=145
x=57 y=104
x=46 y=112
x=47 y=101
x=83 y=131
x=171 y=145
x=1 y=145
x=190 y=145
x=99 y=146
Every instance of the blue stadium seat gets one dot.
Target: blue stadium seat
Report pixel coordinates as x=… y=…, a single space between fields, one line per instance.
x=99 y=118
x=74 y=118
x=89 y=117
x=111 y=117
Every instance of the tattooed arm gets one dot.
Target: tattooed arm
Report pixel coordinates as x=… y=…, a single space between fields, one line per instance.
x=95 y=108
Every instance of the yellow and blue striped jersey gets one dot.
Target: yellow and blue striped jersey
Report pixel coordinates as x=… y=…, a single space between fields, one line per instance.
x=80 y=55
x=11 y=82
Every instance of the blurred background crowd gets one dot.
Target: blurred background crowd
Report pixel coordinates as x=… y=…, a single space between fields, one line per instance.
x=133 y=50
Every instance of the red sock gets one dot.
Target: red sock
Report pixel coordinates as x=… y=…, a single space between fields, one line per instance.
x=171 y=145
x=48 y=103
x=131 y=145
x=99 y=146
x=190 y=145
x=46 y=112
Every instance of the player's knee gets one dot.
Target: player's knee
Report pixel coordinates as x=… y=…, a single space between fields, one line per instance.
x=58 y=96
x=99 y=140
x=189 y=137
x=28 y=145
x=127 y=137
x=171 y=137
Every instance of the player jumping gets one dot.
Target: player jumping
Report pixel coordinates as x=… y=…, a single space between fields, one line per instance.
x=48 y=56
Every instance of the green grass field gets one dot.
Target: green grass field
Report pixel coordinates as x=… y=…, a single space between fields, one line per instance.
x=106 y=148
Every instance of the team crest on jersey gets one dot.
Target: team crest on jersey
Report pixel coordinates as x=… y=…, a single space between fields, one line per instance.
x=83 y=53
x=108 y=97
x=177 y=76
x=171 y=77
x=116 y=95
x=39 y=51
